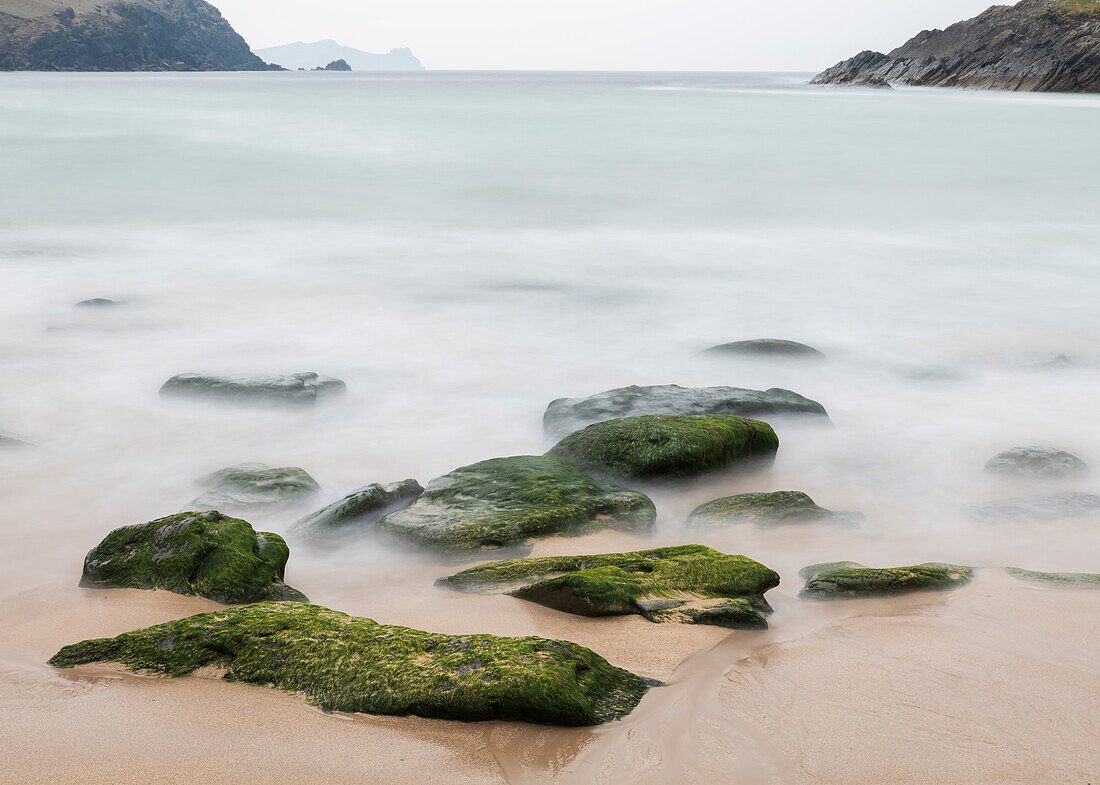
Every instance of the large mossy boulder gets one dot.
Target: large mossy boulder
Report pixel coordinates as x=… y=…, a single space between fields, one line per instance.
x=838 y=580
x=207 y=554
x=361 y=509
x=504 y=502
x=1039 y=462
x=348 y=664
x=687 y=583
x=1084 y=580
x=1037 y=508
x=657 y=447
x=250 y=486
x=768 y=347
x=299 y=388
x=566 y=415
x=763 y=509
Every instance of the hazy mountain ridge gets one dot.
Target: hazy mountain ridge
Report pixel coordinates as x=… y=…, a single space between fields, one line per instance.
x=318 y=53
x=1035 y=45
x=123 y=35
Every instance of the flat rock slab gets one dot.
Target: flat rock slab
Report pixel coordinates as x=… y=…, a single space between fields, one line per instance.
x=840 y=580
x=348 y=664
x=361 y=509
x=205 y=554
x=299 y=388
x=566 y=415
x=691 y=584
x=504 y=502
x=768 y=347
x=1040 y=462
x=763 y=509
x=1037 y=508
x=1082 y=580
x=251 y=486
x=661 y=447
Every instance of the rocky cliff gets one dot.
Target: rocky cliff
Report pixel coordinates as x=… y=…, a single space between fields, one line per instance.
x=120 y=35
x=1037 y=45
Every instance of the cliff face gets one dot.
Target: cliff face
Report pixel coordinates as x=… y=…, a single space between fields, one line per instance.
x=1037 y=45
x=120 y=35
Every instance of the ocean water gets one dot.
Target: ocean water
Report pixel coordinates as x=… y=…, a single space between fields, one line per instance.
x=462 y=248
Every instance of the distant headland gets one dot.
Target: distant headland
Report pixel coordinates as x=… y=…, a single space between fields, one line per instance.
x=319 y=53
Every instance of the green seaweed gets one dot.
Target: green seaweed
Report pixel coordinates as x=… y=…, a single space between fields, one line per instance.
x=667 y=447
x=762 y=509
x=848 y=579
x=348 y=664
x=206 y=554
x=686 y=583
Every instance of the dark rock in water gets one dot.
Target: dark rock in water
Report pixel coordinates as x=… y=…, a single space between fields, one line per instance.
x=763 y=509
x=300 y=388
x=120 y=35
x=1037 y=508
x=1082 y=580
x=1036 y=462
x=99 y=302
x=768 y=347
x=692 y=584
x=206 y=554
x=504 y=502
x=362 y=508
x=338 y=65
x=10 y=443
x=658 y=447
x=254 y=485
x=566 y=415
x=837 y=580
x=348 y=664
x=1035 y=45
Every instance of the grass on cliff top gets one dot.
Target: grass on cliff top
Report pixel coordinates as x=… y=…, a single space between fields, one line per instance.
x=1079 y=7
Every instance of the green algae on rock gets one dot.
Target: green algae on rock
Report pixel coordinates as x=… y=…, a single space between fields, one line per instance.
x=362 y=508
x=206 y=554
x=503 y=502
x=656 y=447
x=763 y=509
x=1083 y=580
x=835 y=580
x=254 y=485
x=686 y=583
x=348 y=664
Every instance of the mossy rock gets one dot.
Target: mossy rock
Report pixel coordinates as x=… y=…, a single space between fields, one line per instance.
x=249 y=486
x=206 y=554
x=1084 y=580
x=686 y=583
x=1038 y=462
x=836 y=580
x=762 y=509
x=348 y=664
x=504 y=502
x=361 y=509
x=296 y=389
x=657 y=447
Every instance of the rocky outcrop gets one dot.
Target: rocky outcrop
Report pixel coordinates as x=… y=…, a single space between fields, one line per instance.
x=1039 y=462
x=666 y=448
x=849 y=579
x=206 y=554
x=566 y=415
x=768 y=347
x=337 y=65
x=504 y=502
x=361 y=509
x=251 y=486
x=1035 y=45
x=120 y=35
x=691 y=584
x=763 y=509
x=299 y=388
x=343 y=663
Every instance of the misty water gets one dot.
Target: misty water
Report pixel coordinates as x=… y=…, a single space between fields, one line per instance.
x=462 y=249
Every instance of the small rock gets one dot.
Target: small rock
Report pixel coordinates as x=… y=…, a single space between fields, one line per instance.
x=363 y=508
x=837 y=580
x=1037 y=508
x=301 y=388
x=769 y=347
x=99 y=302
x=762 y=509
x=1082 y=580
x=254 y=485
x=1036 y=462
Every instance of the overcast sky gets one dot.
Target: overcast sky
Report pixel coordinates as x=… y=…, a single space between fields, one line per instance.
x=795 y=35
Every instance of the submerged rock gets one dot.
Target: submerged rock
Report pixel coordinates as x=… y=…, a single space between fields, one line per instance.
x=849 y=579
x=659 y=447
x=769 y=347
x=98 y=302
x=11 y=443
x=362 y=508
x=688 y=583
x=348 y=664
x=763 y=509
x=566 y=415
x=1036 y=462
x=254 y=485
x=1037 y=508
x=206 y=554
x=299 y=388
x=506 y=501
x=1079 y=579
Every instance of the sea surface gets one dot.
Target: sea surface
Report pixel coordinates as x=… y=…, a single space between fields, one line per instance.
x=463 y=248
